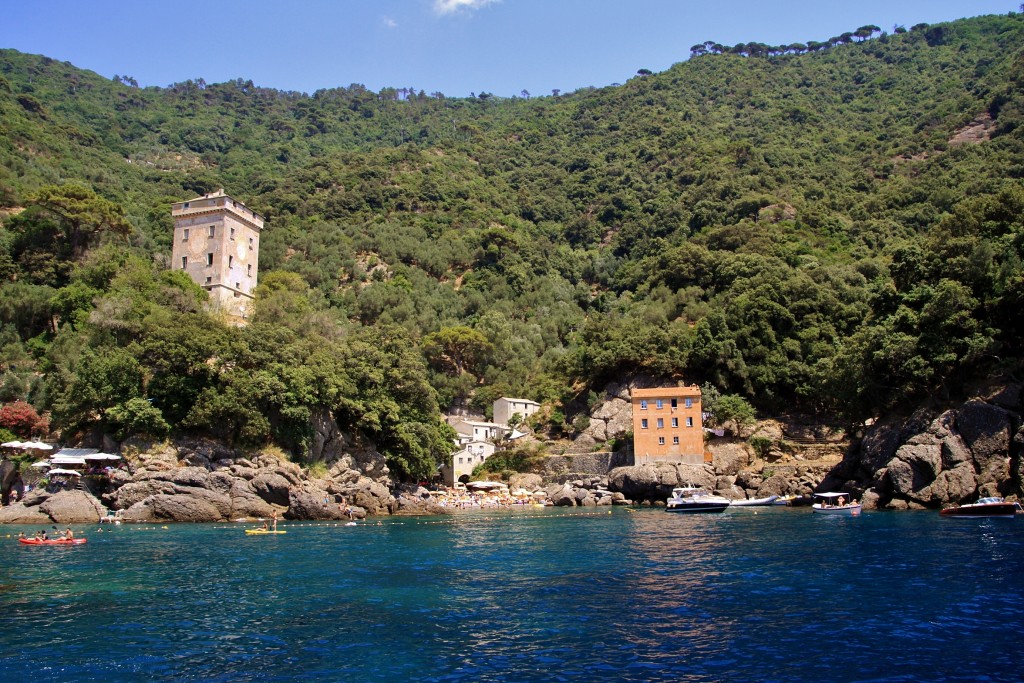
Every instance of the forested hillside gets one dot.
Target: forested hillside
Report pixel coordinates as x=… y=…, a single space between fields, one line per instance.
x=838 y=231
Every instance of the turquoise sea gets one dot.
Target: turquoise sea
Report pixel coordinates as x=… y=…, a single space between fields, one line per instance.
x=764 y=594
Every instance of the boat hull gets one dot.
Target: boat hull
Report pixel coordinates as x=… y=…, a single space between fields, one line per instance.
x=262 y=532
x=754 y=502
x=53 y=541
x=697 y=507
x=1003 y=510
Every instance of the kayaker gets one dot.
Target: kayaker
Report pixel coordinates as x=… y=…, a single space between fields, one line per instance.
x=68 y=534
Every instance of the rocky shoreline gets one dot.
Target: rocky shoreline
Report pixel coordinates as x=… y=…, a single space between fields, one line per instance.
x=931 y=459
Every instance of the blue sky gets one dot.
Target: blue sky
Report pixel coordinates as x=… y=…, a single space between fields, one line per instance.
x=456 y=47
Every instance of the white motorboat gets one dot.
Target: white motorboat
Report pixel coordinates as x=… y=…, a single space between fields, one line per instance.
x=751 y=502
x=836 y=504
x=695 y=499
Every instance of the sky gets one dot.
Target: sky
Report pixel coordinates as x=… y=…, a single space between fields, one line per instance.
x=455 y=47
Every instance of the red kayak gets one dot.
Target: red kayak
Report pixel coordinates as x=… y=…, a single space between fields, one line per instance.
x=52 y=541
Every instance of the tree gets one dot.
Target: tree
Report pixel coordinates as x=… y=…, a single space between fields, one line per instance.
x=23 y=420
x=80 y=213
x=456 y=350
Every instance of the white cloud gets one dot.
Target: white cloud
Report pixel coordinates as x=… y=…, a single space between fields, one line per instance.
x=452 y=6
x=389 y=22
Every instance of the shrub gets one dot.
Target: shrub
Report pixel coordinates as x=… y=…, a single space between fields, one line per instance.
x=22 y=419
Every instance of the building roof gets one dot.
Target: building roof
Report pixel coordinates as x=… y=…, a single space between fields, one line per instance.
x=666 y=392
x=518 y=400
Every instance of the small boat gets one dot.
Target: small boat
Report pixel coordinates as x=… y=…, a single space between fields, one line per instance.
x=786 y=500
x=751 y=502
x=992 y=506
x=695 y=499
x=835 y=504
x=51 y=541
x=262 y=532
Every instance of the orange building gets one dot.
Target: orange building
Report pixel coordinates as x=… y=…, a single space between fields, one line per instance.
x=667 y=425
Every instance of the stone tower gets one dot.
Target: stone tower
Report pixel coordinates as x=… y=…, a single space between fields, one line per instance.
x=217 y=242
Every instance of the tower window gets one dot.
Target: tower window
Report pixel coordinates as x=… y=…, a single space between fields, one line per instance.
x=248 y=270
x=232 y=233
x=209 y=280
x=213 y=230
x=184 y=262
x=250 y=243
x=231 y=260
x=184 y=235
x=209 y=259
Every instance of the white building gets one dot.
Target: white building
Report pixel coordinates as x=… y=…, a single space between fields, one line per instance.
x=505 y=408
x=466 y=460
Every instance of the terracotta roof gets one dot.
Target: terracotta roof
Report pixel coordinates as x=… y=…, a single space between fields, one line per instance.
x=666 y=392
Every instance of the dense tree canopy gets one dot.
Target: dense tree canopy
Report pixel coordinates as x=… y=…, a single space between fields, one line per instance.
x=836 y=229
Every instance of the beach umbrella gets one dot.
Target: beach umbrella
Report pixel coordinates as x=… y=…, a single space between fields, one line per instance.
x=102 y=456
x=13 y=444
x=41 y=463
x=57 y=470
x=37 y=445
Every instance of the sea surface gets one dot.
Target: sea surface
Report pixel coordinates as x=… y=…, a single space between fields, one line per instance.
x=767 y=594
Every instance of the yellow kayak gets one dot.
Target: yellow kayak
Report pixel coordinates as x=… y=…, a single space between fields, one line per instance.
x=260 y=532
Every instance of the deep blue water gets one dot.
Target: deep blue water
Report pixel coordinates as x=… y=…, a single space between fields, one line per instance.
x=538 y=595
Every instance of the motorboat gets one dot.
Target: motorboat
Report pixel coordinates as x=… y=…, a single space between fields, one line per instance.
x=751 y=502
x=832 y=503
x=991 y=506
x=695 y=499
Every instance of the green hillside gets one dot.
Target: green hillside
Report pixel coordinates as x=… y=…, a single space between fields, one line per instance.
x=837 y=230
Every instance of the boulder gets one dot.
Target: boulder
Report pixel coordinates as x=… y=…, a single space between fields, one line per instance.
x=729 y=456
x=987 y=430
x=172 y=508
x=915 y=466
x=309 y=503
x=19 y=513
x=272 y=487
x=73 y=507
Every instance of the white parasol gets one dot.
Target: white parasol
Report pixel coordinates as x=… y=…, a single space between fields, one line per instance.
x=37 y=445
x=13 y=444
x=58 y=470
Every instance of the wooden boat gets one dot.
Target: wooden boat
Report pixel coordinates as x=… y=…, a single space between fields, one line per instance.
x=751 y=502
x=835 y=504
x=991 y=506
x=51 y=541
x=695 y=499
x=262 y=532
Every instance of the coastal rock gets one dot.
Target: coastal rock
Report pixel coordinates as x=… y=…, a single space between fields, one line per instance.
x=914 y=468
x=73 y=507
x=729 y=456
x=173 y=508
x=20 y=513
x=272 y=487
x=956 y=485
x=986 y=429
x=310 y=503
